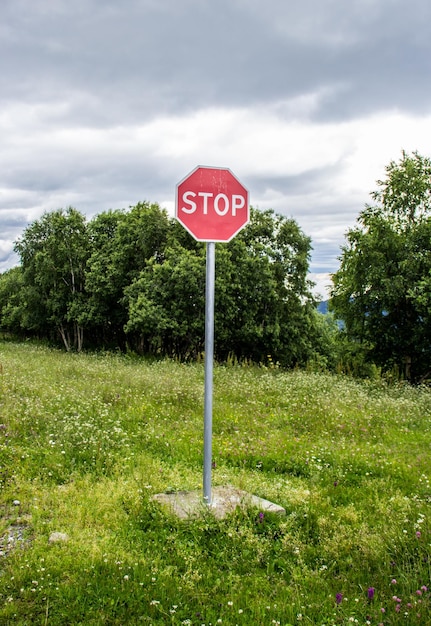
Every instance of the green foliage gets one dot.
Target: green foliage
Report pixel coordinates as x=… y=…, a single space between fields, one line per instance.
x=86 y=440
x=53 y=252
x=136 y=280
x=121 y=243
x=381 y=288
x=12 y=310
x=166 y=304
x=263 y=306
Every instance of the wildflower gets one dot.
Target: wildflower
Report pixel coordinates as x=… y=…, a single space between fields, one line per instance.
x=424 y=588
x=339 y=598
x=393 y=581
x=154 y=602
x=230 y=603
x=418 y=534
x=370 y=593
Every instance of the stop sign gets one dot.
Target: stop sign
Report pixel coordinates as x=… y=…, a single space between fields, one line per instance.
x=212 y=204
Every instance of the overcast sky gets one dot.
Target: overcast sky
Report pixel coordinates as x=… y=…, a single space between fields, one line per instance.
x=104 y=103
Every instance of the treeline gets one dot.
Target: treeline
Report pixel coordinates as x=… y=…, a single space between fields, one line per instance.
x=135 y=280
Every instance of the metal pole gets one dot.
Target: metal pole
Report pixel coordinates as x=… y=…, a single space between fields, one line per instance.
x=209 y=361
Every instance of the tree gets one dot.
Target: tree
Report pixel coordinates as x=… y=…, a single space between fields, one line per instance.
x=268 y=298
x=54 y=251
x=121 y=243
x=381 y=288
x=262 y=300
x=12 y=309
x=166 y=304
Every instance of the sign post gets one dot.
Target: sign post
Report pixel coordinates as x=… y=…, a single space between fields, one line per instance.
x=209 y=362
x=213 y=206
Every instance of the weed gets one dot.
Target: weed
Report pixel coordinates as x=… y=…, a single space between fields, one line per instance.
x=86 y=440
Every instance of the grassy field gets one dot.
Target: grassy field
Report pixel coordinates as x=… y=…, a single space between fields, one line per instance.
x=86 y=440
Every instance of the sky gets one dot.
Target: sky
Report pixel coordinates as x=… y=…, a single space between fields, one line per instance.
x=105 y=103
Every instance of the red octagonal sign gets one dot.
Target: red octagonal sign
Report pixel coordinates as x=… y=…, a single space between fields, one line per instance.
x=212 y=204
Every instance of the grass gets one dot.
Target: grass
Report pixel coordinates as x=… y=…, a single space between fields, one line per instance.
x=86 y=440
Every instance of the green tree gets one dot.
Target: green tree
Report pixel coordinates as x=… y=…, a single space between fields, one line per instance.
x=54 y=251
x=121 y=243
x=166 y=304
x=263 y=306
x=103 y=314
x=275 y=288
x=12 y=302
x=382 y=286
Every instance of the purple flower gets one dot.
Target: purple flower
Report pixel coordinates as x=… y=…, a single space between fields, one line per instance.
x=339 y=598
x=370 y=593
x=418 y=534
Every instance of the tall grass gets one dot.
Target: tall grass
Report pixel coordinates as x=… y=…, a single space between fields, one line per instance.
x=86 y=440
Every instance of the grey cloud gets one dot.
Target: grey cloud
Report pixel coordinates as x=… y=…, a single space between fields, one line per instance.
x=140 y=58
x=104 y=64
x=303 y=183
x=7 y=257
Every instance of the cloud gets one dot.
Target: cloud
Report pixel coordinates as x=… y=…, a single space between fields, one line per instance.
x=103 y=104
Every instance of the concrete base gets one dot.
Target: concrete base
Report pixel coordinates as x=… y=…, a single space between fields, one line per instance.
x=190 y=504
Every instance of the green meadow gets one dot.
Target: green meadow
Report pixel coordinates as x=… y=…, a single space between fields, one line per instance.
x=86 y=440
